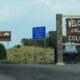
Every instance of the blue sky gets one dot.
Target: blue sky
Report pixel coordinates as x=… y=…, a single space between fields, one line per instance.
x=20 y=16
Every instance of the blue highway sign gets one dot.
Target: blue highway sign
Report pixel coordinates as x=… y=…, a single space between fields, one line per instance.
x=39 y=32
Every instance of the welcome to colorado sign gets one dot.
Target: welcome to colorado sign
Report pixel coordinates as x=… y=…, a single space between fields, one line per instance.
x=73 y=29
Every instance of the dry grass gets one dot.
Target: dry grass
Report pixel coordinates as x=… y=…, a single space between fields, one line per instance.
x=25 y=54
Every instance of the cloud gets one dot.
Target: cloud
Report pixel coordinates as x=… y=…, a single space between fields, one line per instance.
x=72 y=1
x=13 y=9
x=3 y=15
x=65 y=7
x=47 y=2
x=16 y=9
x=20 y=8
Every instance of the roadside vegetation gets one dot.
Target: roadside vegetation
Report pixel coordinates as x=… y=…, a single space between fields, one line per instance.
x=25 y=54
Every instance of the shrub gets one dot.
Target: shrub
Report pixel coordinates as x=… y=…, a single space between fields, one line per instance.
x=17 y=46
x=3 y=52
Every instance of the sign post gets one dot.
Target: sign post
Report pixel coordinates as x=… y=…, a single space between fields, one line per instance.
x=59 y=39
x=39 y=33
x=35 y=52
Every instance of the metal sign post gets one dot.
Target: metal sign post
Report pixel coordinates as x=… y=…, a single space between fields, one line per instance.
x=8 y=44
x=44 y=50
x=39 y=33
x=35 y=52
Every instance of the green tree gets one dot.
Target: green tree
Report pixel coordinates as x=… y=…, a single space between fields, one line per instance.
x=27 y=42
x=51 y=40
x=40 y=43
x=24 y=41
x=3 y=52
x=64 y=39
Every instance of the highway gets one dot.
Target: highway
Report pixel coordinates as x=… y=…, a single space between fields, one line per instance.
x=39 y=72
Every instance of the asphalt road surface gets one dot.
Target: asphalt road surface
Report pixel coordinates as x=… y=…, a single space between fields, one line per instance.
x=39 y=72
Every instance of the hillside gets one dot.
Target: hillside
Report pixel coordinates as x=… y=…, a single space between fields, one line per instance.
x=25 y=54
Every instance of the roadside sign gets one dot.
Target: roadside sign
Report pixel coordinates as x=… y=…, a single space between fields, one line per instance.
x=5 y=35
x=73 y=29
x=39 y=32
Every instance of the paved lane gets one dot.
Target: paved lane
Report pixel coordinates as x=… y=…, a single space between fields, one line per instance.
x=39 y=72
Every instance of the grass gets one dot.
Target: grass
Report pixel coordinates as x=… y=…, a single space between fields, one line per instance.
x=25 y=54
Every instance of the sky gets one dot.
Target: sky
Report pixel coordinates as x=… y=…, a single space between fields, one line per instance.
x=20 y=16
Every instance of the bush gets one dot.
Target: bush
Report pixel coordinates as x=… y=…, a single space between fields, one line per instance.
x=17 y=46
x=9 y=62
x=3 y=52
